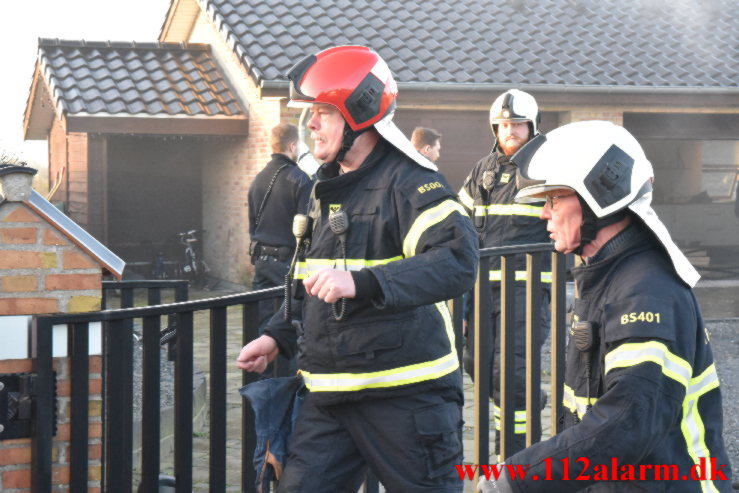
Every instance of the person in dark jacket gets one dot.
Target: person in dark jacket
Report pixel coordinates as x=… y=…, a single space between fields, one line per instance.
x=277 y=193
x=388 y=245
x=642 y=401
x=488 y=194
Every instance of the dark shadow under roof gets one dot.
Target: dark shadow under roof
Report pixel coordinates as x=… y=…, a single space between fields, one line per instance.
x=638 y=43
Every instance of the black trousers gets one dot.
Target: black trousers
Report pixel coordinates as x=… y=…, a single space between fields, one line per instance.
x=412 y=443
x=519 y=441
x=269 y=272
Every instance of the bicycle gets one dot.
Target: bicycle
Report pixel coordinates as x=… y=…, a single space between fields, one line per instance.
x=194 y=268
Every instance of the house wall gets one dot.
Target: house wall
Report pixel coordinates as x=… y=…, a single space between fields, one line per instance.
x=77 y=161
x=467 y=136
x=97 y=157
x=70 y=150
x=58 y=159
x=229 y=165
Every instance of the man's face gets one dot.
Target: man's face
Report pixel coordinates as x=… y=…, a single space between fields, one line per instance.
x=512 y=135
x=327 y=130
x=563 y=215
x=432 y=152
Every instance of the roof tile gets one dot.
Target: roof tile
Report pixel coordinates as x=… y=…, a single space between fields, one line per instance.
x=589 y=40
x=136 y=78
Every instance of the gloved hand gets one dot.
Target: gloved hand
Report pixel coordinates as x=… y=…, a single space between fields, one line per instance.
x=501 y=485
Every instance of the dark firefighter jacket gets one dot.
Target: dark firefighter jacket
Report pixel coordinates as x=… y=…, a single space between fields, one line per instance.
x=498 y=219
x=654 y=390
x=407 y=229
x=289 y=196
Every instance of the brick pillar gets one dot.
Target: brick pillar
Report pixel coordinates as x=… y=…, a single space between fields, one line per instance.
x=42 y=271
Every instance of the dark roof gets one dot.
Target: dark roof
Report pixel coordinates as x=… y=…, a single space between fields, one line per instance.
x=641 y=43
x=126 y=78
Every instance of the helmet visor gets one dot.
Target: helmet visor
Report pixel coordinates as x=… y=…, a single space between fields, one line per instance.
x=295 y=76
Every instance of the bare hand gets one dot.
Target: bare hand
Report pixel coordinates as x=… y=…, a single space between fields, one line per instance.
x=256 y=355
x=331 y=285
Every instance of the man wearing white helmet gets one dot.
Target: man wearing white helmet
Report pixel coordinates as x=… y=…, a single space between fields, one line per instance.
x=642 y=403
x=488 y=193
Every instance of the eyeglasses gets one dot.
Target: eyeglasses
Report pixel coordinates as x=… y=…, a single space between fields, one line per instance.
x=550 y=198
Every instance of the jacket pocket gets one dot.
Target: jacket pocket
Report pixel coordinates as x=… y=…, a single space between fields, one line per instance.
x=439 y=429
x=366 y=340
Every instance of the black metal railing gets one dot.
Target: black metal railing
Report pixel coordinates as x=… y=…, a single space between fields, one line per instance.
x=483 y=339
x=118 y=330
x=118 y=410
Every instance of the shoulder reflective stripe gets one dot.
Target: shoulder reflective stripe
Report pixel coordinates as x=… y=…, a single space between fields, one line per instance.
x=310 y=266
x=635 y=353
x=425 y=220
x=576 y=405
x=495 y=275
x=702 y=384
x=508 y=210
x=465 y=198
x=692 y=425
x=421 y=372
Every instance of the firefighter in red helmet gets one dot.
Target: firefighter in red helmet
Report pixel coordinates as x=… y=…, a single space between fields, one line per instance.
x=388 y=244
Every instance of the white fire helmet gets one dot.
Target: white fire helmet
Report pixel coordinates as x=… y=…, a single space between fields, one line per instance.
x=607 y=168
x=515 y=106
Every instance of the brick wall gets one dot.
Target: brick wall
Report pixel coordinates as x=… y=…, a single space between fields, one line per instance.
x=41 y=271
x=77 y=174
x=15 y=454
x=57 y=158
x=231 y=164
x=70 y=150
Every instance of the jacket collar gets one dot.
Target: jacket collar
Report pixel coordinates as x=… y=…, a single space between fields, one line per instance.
x=633 y=239
x=329 y=177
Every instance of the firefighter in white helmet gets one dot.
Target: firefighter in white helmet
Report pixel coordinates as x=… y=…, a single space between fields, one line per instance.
x=642 y=401
x=488 y=193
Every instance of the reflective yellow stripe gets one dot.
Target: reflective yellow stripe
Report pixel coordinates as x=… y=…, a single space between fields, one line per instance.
x=635 y=353
x=694 y=432
x=446 y=316
x=518 y=428
x=310 y=266
x=425 y=220
x=692 y=424
x=508 y=210
x=421 y=372
x=466 y=200
x=520 y=414
x=576 y=405
x=495 y=275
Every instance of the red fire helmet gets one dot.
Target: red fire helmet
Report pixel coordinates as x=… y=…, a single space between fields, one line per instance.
x=354 y=79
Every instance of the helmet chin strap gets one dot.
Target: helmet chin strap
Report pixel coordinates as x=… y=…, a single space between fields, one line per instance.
x=591 y=224
x=348 y=140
